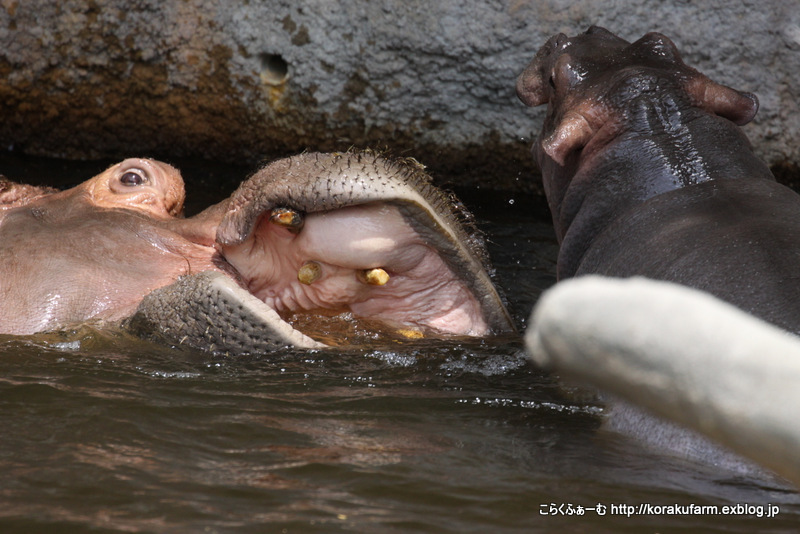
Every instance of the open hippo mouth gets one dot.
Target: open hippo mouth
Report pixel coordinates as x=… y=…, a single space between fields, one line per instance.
x=307 y=251
x=350 y=236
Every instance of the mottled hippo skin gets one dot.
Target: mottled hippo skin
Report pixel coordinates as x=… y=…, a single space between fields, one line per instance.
x=647 y=173
x=349 y=235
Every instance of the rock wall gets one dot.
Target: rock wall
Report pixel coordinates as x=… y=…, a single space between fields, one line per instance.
x=241 y=81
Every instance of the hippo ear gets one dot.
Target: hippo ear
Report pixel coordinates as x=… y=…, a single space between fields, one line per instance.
x=737 y=106
x=659 y=45
x=572 y=133
x=599 y=30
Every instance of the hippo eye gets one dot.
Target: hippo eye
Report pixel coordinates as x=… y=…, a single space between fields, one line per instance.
x=133 y=178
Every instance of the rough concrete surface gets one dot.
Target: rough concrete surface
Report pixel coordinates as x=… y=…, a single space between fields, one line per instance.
x=241 y=81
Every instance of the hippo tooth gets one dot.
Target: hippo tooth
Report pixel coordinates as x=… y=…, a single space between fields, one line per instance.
x=288 y=218
x=373 y=277
x=309 y=272
x=410 y=333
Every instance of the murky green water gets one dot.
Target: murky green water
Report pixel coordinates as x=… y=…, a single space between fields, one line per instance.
x=105 y=433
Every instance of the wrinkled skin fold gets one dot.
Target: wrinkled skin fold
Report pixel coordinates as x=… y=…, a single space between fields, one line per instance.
x=355 y=236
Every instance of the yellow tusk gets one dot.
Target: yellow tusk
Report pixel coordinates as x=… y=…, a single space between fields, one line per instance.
x=373 y=277
x=410 y=333
x=309 y=272
x=288 y=218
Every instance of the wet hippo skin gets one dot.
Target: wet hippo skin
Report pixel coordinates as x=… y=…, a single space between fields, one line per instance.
x=353 y=235
x=648 y=173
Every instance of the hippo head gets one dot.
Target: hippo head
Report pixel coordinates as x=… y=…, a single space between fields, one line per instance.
x=604 y=96
x=588 y=80
x=311 y=240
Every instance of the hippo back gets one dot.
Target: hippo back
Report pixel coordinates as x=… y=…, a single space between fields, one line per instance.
x=736 y=239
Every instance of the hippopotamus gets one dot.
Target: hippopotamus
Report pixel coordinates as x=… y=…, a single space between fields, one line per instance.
x=647 y=172
x=352 y=235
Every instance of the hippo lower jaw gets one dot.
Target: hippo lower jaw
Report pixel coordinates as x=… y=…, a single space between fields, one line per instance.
x=210 y=311
x=353 y=235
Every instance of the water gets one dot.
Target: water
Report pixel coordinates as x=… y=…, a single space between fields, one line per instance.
x=102 y=432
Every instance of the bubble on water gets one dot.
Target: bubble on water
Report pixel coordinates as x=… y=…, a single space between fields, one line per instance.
x=496 y=365
x=67 y=345
x=173 y=374
x=393 y=358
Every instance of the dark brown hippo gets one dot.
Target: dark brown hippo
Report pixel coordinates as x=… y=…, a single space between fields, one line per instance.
x=354 y=235
x=647 y=173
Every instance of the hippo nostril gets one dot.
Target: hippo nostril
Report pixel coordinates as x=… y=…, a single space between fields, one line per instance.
x=274 y=69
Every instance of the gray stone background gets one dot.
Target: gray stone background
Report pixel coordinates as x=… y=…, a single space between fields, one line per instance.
x=240 y=81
